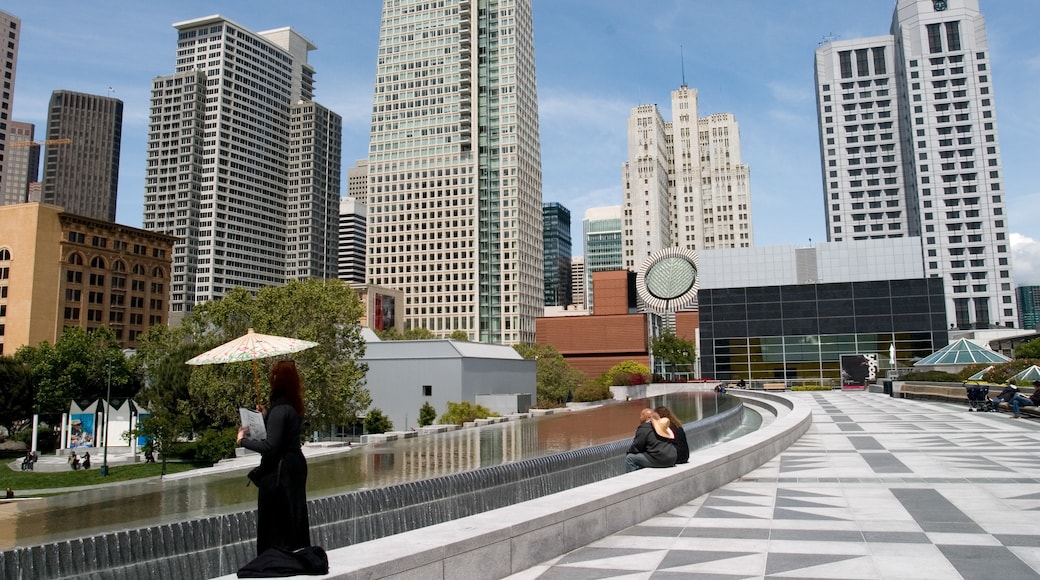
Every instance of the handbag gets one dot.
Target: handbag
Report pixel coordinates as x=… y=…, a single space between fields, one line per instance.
x=265 y=476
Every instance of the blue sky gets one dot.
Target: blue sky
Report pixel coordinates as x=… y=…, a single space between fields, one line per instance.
x=596 y=60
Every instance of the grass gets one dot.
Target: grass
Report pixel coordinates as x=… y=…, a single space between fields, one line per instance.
x=21 y=481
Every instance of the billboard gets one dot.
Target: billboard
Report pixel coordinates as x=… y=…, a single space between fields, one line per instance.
x=858 y=369
x=384 y=312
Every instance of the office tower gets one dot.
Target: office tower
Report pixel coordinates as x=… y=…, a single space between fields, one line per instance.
x=909 y=147
x=601 y=237
x=454 y=201
x=224 y=174
x=352 y=238
x=1029 y=306
x=684 y=183
x=82 y=175
x=21 y=163
x=315 y=151
x=357 y=181
x=12 y=30
x=556 y=253
x=578 y=280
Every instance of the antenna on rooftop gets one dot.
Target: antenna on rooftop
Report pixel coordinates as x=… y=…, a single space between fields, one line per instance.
x=829 y=38
x=111 y=91
x=682 y=65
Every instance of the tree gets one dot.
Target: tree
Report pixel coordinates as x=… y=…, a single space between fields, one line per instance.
x=80 y=366
x=427 y=414
x=459 y=335
x=419 y=333
x=675 y=352
x=555 y=378
x=377 y=422
x=16 y=392
x=166 y=394
x=1029 y=349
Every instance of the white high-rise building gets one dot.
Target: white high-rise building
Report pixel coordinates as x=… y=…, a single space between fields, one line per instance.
x=352 y=226
x=454 y=169
x=909 y=147
x=357 y=181
x=224 y=171
x=684 y=183
x=578 y=281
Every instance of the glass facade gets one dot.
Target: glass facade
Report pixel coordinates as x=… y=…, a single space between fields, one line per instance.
x=556 y=253
x=799 y=332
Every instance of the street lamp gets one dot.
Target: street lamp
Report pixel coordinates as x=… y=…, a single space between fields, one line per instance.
x=108 y=411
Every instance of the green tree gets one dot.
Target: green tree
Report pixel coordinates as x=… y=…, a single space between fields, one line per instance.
x=625 y=373
x=16 y=391
x=677 y=354
x=459 y=335
x=427 y=414
x=555 y=379
x=80 y=366
x=419 y=333
x=1029 y=349
x=464 y=412
x=377 y=422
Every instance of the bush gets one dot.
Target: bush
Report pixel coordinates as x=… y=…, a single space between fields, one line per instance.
x=427 y=414
x=46 y=439
x=377 y=422
x=811 y=388
x=464 y=412
x=592 y=392
x=932 y=377
x=544 y=403
x=213 y=445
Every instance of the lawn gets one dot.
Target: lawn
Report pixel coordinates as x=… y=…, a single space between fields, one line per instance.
x=21 y=481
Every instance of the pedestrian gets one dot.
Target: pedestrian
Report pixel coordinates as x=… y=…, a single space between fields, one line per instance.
x=682 y=446
x=649 y=449
x=281 y=478
x=9 y=494
x=86 y=460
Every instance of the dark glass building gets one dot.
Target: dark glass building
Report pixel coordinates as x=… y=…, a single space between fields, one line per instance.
x=556 y=253
x=802 y=331
x=1029 y=306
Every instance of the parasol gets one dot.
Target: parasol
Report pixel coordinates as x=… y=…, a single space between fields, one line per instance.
x=251 y=346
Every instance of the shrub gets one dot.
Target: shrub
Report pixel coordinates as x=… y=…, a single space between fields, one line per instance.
x=215 y=444
x=932 y=377
x=464 y=412
x=811 y=388
x=591 y=391
x=427 y=414
x=377 y=422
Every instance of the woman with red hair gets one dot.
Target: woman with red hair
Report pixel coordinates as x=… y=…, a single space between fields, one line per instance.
x=281 y=520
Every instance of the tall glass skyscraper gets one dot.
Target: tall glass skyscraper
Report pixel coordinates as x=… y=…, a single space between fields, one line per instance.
x=601 y=237
x=909 y=147
x=454 y=168
x=242 y=167
x=556 y=229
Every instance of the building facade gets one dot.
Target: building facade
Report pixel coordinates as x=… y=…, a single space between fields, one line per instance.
x=684 y=183
x=909 y=147
x=357 y=181
x=59 y=270
x=353 y=222
x=82 y=174
x=12 y=32
x=454 y=168
x=1029 y=307
x=556 y=253
x=785 y=314
x=601 y=237
x=21 y=163
x=578 y=280
x=223 y=173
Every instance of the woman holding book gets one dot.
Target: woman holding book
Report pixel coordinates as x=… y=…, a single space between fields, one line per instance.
x=281 y=479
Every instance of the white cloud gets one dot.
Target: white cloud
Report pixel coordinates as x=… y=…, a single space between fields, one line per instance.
x=1025 y=255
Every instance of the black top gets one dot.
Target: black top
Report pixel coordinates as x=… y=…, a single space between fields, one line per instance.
x=662 y=452
x=682 y=446
x=283 y=432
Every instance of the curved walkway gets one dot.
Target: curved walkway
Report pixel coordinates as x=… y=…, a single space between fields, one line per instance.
x=878 y=488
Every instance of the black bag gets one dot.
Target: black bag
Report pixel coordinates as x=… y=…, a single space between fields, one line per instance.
x=265 y=476
x=279 y=562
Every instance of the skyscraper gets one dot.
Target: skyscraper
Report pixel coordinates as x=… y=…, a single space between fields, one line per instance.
x=556 y=253
x=684 y=183
x=578 y=280
x=601 y=238
x=82 y=176
x=12 y=31
x=357 y=181
x=224 y=172
x=352 y=227
x=1029 y=306
x=21 y=163
x=454 y=203
x=909 y=147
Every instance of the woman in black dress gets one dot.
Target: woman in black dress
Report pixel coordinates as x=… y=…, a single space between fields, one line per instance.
x=682 y=446
x=282 y=519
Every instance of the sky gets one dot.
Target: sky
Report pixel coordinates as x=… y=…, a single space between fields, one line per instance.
x=596 y=60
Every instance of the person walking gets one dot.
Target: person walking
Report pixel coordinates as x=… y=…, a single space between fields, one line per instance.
x=281 y=478
x=648 y=449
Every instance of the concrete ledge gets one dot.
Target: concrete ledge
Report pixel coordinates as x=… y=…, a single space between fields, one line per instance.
x=508 y=540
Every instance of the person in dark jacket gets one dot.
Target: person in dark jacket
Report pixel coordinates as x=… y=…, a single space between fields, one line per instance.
x=282 y=519
x=648 y=449
x=682 y=446
x=1005 y=396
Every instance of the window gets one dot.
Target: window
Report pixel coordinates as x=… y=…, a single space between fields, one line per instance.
x=953 y=35
x=427 y=390
x=934 y=38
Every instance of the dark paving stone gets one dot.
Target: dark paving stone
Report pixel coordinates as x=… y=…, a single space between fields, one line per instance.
x=786 y=514
x=986 y=562
x=586 y=554
x=779 y=563
x=729 y=533
x=866 y=443
x=817 y=535
x=896 y=538
x=933 y=512
x=1018 y=540
x=885 y=463
x=676 y=558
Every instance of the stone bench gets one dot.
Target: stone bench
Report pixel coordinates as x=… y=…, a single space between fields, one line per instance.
x=957 y=394
x=774 y=387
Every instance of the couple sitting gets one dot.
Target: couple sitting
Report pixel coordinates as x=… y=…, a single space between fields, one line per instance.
x=659 y=441
x=1017 y=400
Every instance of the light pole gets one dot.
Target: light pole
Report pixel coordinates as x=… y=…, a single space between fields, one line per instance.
x=108 y=410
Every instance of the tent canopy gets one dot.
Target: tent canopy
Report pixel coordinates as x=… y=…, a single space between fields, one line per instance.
x=961 y=352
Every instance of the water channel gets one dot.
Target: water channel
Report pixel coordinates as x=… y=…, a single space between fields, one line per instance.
x=131 y=505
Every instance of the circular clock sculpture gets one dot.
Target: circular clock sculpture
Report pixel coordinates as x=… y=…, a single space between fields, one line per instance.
x=939 y=5
x=667 y=279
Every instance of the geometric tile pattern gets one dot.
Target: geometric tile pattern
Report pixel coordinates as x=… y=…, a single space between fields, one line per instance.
x=916 y=490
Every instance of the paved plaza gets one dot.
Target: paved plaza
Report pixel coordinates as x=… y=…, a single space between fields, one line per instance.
x=878 y=488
